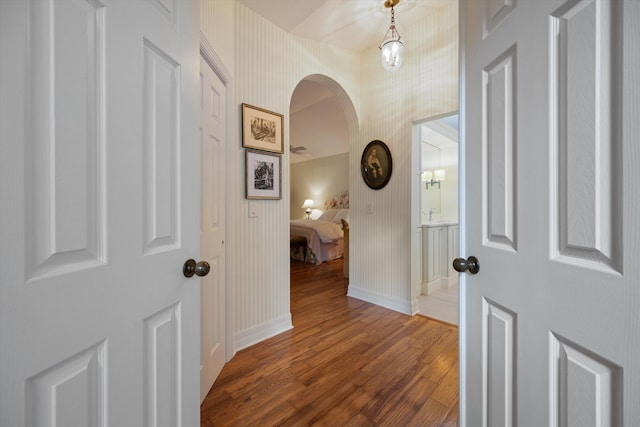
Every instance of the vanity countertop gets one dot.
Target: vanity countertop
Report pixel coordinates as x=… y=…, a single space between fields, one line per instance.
x=440 y=223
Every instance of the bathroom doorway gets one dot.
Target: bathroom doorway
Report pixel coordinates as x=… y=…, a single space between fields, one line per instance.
x=438 y=227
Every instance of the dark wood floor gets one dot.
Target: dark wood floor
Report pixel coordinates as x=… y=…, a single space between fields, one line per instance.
x=345 y=363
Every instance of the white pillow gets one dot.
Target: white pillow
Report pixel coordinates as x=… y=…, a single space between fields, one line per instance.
x=342 y=214
x=328 y=215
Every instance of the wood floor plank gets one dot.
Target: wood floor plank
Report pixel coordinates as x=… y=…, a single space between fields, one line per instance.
x=345 y=363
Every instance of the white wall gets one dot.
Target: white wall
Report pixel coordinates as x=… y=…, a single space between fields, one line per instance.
x=266 y=64
x=218 y=25
x=319 y=179
x=449 y=187
x=425 y=86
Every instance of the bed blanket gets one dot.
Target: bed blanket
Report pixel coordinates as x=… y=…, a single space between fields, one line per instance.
x=327 y=231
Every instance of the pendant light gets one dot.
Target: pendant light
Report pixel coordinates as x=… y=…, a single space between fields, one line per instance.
x=391 y=47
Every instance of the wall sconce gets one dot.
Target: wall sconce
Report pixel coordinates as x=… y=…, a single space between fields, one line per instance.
x=308 y=205
x=391 y=47
x=433 y=177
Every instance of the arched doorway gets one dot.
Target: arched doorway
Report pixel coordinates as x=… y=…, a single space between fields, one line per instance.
x=322 y=125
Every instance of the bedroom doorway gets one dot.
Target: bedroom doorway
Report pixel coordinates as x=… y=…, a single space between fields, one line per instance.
x=322 y=122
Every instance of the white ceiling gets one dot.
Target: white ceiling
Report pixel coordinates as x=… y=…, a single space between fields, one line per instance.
x=441 y=133
x=318 y=126
x=353 y=24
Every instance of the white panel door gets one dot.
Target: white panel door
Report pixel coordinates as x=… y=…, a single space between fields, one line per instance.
x=550 y=328
x=99 y=190
x=213 y=132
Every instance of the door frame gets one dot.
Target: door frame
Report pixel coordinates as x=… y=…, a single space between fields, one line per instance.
x=462 y=215
x=417 y=231
x=211 y=57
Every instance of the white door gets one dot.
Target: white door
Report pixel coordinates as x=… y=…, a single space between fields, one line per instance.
x=213 y=145
x=550 y=330
x=99 y=190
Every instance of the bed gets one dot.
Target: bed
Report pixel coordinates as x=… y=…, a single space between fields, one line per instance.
x=324 y=236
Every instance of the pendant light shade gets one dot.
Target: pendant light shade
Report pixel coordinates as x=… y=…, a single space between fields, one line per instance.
x=391 y=47
x=392 y=55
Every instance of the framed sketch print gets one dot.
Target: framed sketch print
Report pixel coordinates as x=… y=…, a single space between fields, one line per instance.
x=262 y=129
x=264 y=174
x=376 y=164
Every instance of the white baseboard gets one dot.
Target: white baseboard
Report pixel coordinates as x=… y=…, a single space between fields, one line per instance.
x=395 y=304
x=251 y=336
x=415 y=306
x=430 y=287
x=440 y=283
x=453 y=280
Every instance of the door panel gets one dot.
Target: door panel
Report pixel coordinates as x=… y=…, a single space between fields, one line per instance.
x=161 y=108
x=162 y=348
x=65 y=220
x=549 y=149
x=99 y=188
x=586 y=389
x=74 y=390
x=584 y=129
x=499 y=151
x=498 y=353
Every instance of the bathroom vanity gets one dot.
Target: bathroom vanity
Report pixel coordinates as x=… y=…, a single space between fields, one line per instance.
x=439 y=248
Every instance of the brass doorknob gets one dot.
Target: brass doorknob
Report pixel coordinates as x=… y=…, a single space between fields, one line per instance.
x=470 y=264
x=190 y=268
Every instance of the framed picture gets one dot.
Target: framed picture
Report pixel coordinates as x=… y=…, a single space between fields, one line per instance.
x=262 y=129
x=264 y=175
x=376 y=164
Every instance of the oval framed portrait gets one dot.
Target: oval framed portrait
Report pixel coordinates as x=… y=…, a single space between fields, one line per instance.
x=376 y=164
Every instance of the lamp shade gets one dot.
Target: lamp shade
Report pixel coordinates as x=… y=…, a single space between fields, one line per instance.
x=308 y=204
x=391 y=54
x=427 y=175
x=438 y=175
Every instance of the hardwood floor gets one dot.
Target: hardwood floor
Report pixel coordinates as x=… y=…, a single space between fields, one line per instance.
x=345 y=363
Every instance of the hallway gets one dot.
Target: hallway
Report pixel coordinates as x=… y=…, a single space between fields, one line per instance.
x=346 y=362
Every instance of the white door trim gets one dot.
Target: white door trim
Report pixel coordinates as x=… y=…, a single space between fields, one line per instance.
x=462 y=218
